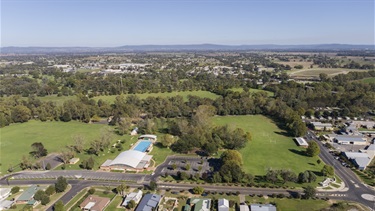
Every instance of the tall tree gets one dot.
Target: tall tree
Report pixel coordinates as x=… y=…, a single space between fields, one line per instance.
x=61 y=184
x=38 y=150
x=313 y=149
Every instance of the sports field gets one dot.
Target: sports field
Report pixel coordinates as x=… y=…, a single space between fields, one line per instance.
x=16 y=139
x=269 y=147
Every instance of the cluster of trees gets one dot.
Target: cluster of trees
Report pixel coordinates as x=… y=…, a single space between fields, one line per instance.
x=282 y=176
x=231 y=169
x=354 y=98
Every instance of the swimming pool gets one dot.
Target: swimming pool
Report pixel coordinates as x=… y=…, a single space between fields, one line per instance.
x=142 y=146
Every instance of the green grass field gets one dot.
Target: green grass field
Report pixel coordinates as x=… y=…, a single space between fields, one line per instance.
x=207 y=94
x=253 y=91
x=16 y=139
x=291 y=204
x=368 y=80
x=269 y=147
x=111 y=98
x=316 y=71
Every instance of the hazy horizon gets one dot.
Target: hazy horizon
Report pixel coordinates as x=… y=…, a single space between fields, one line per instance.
x=114 y=23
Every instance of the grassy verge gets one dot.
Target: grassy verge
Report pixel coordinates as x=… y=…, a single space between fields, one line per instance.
x=75 y=199
x=53 y=199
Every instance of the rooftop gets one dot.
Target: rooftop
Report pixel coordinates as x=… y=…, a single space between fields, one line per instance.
x=29 y=193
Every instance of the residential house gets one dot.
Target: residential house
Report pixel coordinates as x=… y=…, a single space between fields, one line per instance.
x=198 y=204
x=223 y=205
x=149 y=202
x=6 y=204
x=94 y=203
x=135 y=196
x=262 y=207
x=4 y=193
x=27 y=195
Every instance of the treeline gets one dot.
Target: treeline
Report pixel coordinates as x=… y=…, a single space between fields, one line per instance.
x=14 y=109
x=353 y=98
x=51 y=81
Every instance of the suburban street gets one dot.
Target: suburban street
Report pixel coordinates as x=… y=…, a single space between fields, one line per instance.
x=80 y=179
x=355 y=189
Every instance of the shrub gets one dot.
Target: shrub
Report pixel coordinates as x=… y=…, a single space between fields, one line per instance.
x=91 y=191
x=15 y=189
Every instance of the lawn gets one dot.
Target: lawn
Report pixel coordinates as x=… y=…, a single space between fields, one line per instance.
x=291 y=204
x=269 y=147
x=368 y=80
x=16 y=139
x=114 y=203
x=253 y=91
x=185 y=94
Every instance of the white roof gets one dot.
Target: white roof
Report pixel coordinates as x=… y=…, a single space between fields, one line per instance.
x=4 y=192
x=6 y=204
x=301 y=141
x=223 y=205
x=354 y=155
x=244 y=207
x=363 y=162
x=129 y=158
x=89 y=205
x=136 y=197
x=262 y=207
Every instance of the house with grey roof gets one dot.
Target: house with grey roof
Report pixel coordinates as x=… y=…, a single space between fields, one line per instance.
x=149 y=202
x=262 y=207
x=223 y=205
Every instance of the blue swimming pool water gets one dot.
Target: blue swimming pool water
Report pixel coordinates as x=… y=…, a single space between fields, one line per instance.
x=142 y=146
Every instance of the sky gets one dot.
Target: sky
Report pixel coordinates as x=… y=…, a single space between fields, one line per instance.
x=109 y=23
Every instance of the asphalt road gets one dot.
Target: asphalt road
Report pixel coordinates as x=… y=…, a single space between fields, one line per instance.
x=355 y=188
x=80 y=179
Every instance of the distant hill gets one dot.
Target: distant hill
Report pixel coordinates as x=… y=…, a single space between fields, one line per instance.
x=197 y=47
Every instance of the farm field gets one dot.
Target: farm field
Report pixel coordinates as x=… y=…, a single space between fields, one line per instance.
x=269 y=147
x=185 y=94
x=316 y=71
x=253 y=91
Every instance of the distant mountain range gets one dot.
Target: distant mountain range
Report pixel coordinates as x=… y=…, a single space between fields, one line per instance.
x=197 y=47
